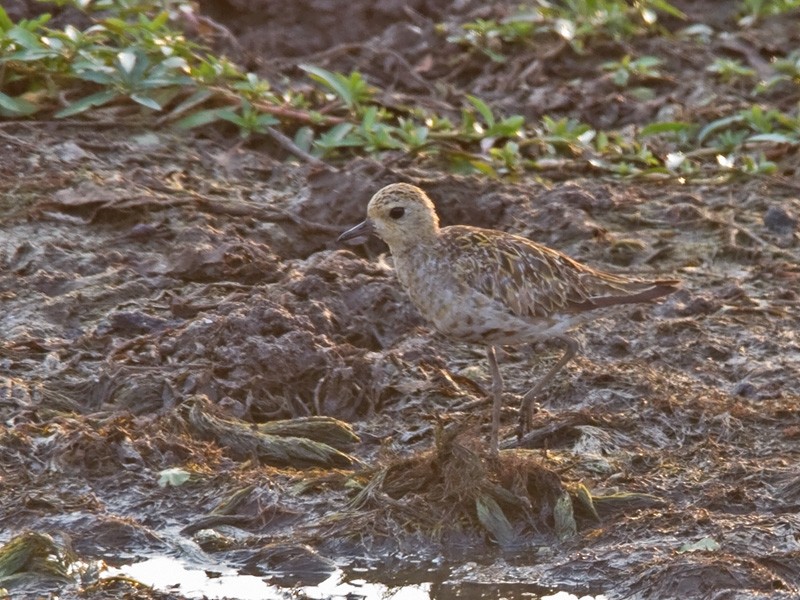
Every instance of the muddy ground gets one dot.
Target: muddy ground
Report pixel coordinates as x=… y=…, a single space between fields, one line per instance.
x=163 y=296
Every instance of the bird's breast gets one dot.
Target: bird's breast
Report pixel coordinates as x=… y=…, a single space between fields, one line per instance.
x=460 y=312
x=430 y=286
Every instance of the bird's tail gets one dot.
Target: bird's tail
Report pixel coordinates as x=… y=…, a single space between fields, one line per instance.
x=637 y=291
x=647 y=291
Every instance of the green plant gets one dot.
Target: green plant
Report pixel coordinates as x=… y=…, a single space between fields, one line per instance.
x=490 y=127
x=372 y=134
x=753 y=10
x=133 y=55
x=789 y=67
x=131 y=74
x=353 y=89
x=747 y=164
x=248 y=119
x=619 y=19
x=627 y=68
x=413 y=135
x=566 y=133
x=488 y=35
x=576 y=21
x=758 y=165
x=19 y=45
x=730 y=70
x=751 y=126
x=679 y=130
x=142 y=60
x=787 y=70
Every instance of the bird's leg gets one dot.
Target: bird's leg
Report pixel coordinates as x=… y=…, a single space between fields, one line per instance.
x=497 y=399
x=525 y=415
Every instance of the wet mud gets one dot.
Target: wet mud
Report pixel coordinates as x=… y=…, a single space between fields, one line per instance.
x=177 y=306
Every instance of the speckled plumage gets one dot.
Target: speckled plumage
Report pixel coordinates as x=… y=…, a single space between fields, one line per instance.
x=490 y=287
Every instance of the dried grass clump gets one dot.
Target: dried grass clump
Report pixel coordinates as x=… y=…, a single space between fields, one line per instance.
x=454 y=488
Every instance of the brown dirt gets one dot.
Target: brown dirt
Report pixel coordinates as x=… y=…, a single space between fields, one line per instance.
x=139 y=269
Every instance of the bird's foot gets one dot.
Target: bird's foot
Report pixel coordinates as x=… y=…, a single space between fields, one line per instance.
x=524 y=425
x=526 y=411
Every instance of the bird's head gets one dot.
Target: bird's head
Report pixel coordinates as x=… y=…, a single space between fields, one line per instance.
x=400 y=214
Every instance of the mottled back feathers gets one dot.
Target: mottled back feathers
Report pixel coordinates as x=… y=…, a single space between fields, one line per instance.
x=535 y=281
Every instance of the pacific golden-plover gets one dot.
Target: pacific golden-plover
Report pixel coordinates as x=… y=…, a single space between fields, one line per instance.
x=491 y=287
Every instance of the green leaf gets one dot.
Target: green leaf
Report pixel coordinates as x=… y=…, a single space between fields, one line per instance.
x=718 y=124
x=778 y=138
x=647 y=62
x=267 y=120
x=160 y=20
x=507 y=127
x=166 y=80
x=483 y=167
x=304 y=138
x=200 y=118
x=88 y=102
x=642 y=94
x=227 y=114
x=483 y=109
x=17 y=107
x=666 y=7
x=100 y=77
x=191 y=102
x=28 y=55
x=5 y=22
x=337 y=136
x=370 y=117
x=145 y=101
x=665 y=127
x=332 y=81
x=162 y=96
x=494 y=56
x=24 y=38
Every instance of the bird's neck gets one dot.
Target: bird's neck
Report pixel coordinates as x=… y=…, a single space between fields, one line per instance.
x=418 y=244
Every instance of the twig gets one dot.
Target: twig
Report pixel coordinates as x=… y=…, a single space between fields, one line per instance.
x=290 y=146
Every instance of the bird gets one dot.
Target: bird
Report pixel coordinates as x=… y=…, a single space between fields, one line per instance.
x=491 y=287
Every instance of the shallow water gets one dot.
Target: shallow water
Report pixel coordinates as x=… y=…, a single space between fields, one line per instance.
x=170 y=574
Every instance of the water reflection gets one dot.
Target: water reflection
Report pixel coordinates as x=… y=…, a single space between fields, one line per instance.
x=171 y=575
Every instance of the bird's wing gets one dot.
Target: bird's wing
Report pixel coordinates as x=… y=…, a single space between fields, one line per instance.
x=532 y=280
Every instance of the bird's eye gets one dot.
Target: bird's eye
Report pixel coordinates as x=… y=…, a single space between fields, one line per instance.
x=397 y=212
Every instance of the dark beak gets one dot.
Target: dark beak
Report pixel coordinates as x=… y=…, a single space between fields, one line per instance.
x=358 y=234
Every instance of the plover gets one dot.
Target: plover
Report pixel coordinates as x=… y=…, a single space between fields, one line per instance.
x=490 y=287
